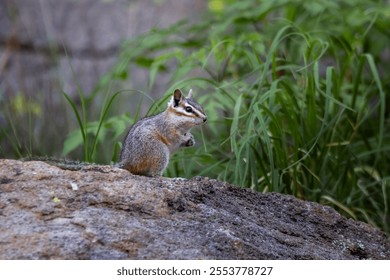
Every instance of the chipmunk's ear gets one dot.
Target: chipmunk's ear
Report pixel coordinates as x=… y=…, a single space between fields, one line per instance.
x=177 y=97
x=190 y=94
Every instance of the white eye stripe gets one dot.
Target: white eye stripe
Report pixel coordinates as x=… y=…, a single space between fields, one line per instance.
x=183 y=111
x=194 y=111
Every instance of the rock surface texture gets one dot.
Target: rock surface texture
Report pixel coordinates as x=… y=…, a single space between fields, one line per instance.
x=100 y=212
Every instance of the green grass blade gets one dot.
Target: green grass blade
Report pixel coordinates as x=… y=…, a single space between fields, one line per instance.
x=79 y=121
x=102 y=119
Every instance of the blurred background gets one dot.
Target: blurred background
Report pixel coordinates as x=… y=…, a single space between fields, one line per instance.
x=48 y=47
x=296 y=92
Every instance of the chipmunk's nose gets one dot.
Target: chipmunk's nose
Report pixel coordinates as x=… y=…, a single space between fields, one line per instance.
x=205 y=119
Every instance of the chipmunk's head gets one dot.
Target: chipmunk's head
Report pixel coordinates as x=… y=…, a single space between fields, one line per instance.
x=185 y=109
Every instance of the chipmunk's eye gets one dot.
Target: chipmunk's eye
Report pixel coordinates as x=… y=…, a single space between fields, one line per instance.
x=188 y=109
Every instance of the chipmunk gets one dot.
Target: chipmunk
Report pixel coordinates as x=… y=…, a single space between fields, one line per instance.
x=150 y=142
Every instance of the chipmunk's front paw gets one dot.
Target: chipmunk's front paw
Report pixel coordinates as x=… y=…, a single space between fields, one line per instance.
x=188 y=140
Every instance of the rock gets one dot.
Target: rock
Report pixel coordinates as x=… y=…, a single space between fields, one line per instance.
x=101 y=212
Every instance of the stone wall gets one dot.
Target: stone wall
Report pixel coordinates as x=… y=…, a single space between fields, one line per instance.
x=51 y=46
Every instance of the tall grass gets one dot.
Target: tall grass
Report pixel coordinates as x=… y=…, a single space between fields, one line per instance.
x=296 y=97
